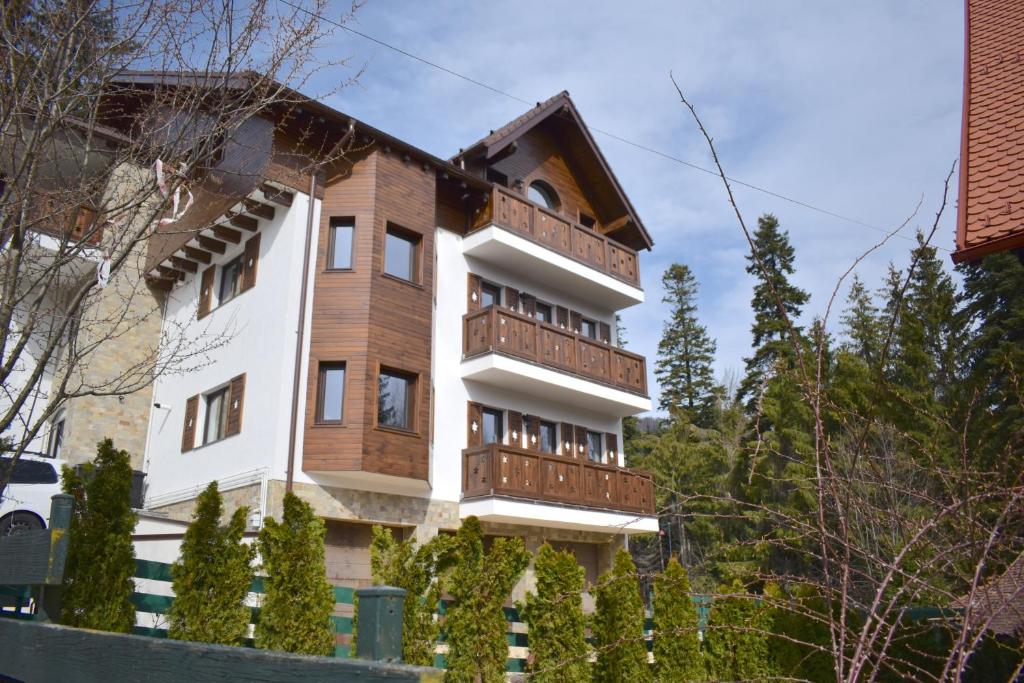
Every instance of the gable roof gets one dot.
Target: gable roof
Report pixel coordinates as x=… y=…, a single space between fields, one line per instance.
x=991 y=206
x=560 y=105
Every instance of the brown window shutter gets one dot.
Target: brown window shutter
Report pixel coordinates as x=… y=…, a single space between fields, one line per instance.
x=604 y=332
x=581 y=443
x=530 y=305
x=568 y=442
x=250 y=262
x=515 y=429
x=563 y=316
x=236 y=399
x=531 y=425
x=611 y=446
x=188 y=432
x=512 y=298
x=474 y=418
x=206 y=291
x=474 y=296
x=576 y=321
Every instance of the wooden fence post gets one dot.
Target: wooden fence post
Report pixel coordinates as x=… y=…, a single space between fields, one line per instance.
x=48 y=604
x=380 y=623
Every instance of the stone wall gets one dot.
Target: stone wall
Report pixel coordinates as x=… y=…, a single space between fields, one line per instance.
x=233 y=499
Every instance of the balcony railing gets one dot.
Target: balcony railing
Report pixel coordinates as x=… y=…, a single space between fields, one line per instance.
x=547 y=228
x=494 y=329
x=499 y=470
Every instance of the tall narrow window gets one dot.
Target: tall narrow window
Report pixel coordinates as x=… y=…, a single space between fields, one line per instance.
x=490 y=295
x=57 y=437
x=548 y=437
x=543 y=313
x=594 y=446
x=588 y=328
x=400 y=253
x=216 y=415
x=395 y=399
x=330 y=393
x=339 y=255
x=230 y=280
x=494 y=429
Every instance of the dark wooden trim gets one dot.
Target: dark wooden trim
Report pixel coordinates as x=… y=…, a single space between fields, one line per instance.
x=236 y=404
x=227 y=234
x=242 y=221
x=277 y=195
x=206 y=291
x=188 y=433
x=184 y=264
x=197 y=254
x=322 y=367
x=250 y=262
x=211 y=244
x=258 y=209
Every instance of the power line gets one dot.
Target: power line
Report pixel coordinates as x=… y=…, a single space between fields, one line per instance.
x=637 y=145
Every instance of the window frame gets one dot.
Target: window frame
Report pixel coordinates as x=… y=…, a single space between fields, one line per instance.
x=323 y=368
x=584 y=322
x=550 y=312
x=552 y=202
x=600 y=446
x=541 y=424
x=236 y=285
x=415 y=241
x=411 y=407
x=222 y=416
x=497 y=289
x=334 y=224
x=499 y=414
x=55 y=442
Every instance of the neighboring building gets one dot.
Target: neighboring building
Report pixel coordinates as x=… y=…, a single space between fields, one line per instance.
x=455 y=353
x=991 y=204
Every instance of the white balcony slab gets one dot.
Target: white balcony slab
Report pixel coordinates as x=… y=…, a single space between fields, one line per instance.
x=536 y=513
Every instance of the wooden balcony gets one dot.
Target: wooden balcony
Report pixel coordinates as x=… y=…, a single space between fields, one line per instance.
x=549 y=229
x=495 y=329
x=499 y=470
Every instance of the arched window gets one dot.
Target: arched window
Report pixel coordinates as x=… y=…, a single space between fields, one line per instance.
x=543 y=194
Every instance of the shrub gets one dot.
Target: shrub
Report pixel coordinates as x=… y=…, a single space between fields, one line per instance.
x=619 y=625
x=554 y=614
x=479 y=585
x=677 y=654
x=212 y=576
x=98 y=575
x=298 y=601
x=736 y=640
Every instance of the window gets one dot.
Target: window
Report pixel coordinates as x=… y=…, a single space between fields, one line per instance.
x=56 y=438
x=394 y=400
x=28 y=471
x=330 y=393
x=216 y=415
x=587 y=221
x=548 y=437
x=594 y=446
x=400 y=249
x=494 y=430
x=490 y=295
x=588 y=328
x=339 y=256
x=541 y=193
x=544 y=313
x=230 y=280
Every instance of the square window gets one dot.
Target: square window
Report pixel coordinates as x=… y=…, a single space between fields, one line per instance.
x=339 y=256
x=230 y=280
x=544 y=313
x=400 y=253
x=216 y=415
x=494 y=430
x=548 y=437
x=588 y=328
x=490 y=295
x=330 y=393
x=594 y=446
x=395 y=399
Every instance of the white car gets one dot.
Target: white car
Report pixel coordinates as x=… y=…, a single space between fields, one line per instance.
x=26 y=500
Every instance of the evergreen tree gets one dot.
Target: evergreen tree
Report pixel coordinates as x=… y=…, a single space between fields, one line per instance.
x=554 y=615
x=771 y=343
x=861 y=324
x=100 y=565
x=298 y=601
x=676 y=645
x=479 y=584
x=619 y=625
x=685 y=352
x=212 y=576
x=416 y=569
x=736 y=640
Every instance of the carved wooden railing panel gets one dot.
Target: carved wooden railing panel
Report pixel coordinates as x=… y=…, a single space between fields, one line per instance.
x=559 y=234
x=499 y=329
x=502 y=470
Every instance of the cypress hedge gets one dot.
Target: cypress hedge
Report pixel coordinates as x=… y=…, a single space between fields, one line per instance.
x=619 y=625
x=677 y=655
x=736 y=640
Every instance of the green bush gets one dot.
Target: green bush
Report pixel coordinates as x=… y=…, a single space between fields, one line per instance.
x=554 y=614
x=802 y=648
x=677 y=654
x=298 y=601
x=619 y=625
x=212 y=576
x=736 y=640
x=479 y=585
x=98 y=575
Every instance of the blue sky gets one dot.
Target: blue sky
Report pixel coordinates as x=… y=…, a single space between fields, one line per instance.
x=854 y=107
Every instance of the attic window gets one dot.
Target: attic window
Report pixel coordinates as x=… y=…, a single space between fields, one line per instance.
x=543 y=194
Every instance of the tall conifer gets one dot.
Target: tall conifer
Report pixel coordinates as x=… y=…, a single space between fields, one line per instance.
x=619 y=625
x=676 y=645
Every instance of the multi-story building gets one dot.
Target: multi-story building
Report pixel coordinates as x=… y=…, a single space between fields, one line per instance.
x=406 y=340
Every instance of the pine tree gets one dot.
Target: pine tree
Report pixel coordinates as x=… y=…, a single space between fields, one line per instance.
x=479 y=584
x=619 y=625
x=771 y=342
x=676 y=645
x=685 y=352
x=212 y=576
x=98 y=582
x=298 y=601
x=861 y=324
x=554 y=615
x=736 y=640
x=417 y=570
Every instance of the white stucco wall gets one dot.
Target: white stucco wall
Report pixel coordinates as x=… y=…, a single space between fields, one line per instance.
x=260 y=328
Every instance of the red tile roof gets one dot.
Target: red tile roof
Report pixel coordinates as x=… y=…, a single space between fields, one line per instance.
x=991 y=206
x=999 y=604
